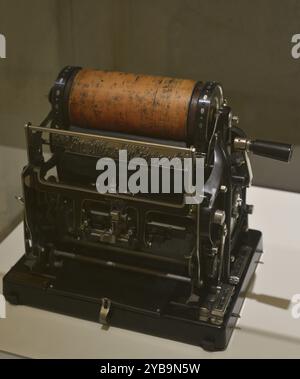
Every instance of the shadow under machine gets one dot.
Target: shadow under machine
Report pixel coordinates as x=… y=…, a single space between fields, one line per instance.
x=152 y=262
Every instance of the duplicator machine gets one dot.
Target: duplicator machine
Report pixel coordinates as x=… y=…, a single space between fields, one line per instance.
x=146 y=261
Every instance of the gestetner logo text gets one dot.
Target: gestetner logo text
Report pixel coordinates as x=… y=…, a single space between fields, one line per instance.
x=2 y=307
x=296 y=47
x=2 y=46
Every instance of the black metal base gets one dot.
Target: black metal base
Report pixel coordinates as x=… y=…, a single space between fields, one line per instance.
x=138 y=302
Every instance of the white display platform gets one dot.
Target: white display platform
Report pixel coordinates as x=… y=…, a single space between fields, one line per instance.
x=266 y=328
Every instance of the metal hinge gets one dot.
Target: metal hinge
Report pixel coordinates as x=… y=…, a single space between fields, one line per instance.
x=104 y=311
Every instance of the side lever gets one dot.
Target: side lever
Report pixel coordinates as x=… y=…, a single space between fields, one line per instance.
x=274 y=150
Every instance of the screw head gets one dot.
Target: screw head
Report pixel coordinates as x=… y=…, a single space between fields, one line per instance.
x=235 y=120
x=219 y=217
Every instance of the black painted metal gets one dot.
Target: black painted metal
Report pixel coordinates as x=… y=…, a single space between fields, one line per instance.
x=139 y=303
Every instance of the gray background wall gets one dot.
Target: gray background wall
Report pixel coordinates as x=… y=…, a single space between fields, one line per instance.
x=244 y=44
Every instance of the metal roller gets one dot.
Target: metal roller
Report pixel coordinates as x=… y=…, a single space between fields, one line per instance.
x=152 y=106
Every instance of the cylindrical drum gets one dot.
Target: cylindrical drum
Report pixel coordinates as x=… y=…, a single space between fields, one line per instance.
x=152 y=106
